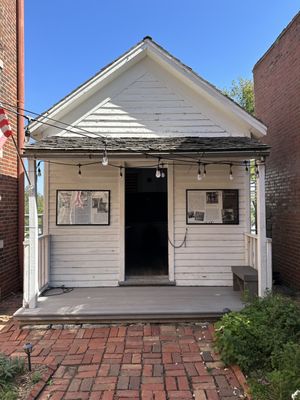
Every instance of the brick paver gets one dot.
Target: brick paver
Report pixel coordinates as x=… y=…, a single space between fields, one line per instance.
x=138 y=361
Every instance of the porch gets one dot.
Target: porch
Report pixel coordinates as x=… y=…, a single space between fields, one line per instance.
x=198 y=253
x=153 y=303
x=92 y=305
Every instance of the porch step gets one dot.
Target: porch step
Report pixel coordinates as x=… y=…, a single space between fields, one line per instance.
x=147 y=281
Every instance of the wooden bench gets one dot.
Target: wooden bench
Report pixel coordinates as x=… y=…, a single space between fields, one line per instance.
x=245 y=278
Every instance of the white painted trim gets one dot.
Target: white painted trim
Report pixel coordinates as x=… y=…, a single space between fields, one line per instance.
x=96 y=82
x=171 y=250
x=31 y=287
x=46 y=198
x=122 y=223
x=261 y=232
x=157 y=53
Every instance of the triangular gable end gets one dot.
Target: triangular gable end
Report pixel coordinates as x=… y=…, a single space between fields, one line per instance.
x=147 y=92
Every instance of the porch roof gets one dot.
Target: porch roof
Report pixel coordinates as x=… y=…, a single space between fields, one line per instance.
x=62 y=145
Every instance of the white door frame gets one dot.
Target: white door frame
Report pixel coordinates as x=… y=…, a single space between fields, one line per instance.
x=170 y=189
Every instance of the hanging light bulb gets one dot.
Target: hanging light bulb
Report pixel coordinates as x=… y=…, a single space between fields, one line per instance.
x=27 y=135
x=121 y=172
x=39 y=172
x=230 y=173
x=158 y=173
x=204 y=170
x=256 y=169
x=79 y=169
x=199 y=176
x=162 y=172
x=246 y=166
x=105 y=158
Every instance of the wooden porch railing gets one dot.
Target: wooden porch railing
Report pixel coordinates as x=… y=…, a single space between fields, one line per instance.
x=251 y=249
x=251 y=252
x=44 y=261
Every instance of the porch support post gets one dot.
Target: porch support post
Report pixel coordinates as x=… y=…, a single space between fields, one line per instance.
x=31 y=274
x=263 y=274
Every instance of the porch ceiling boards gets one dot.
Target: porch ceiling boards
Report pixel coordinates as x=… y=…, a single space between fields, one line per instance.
x=132 y=304
x=61 y=145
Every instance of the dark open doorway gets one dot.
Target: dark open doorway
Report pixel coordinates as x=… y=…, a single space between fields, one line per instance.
x=146 y=223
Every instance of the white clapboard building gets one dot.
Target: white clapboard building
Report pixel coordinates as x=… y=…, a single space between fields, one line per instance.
x=147 y=193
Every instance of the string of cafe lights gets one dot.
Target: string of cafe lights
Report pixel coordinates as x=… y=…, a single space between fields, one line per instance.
x=159 y=166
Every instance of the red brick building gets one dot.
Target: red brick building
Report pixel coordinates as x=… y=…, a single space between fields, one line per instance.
x=11 y=174
x=277 y=104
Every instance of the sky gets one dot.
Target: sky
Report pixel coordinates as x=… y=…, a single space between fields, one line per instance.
x=68 y=41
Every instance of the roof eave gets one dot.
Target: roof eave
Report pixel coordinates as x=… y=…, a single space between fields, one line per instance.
x=68 y=153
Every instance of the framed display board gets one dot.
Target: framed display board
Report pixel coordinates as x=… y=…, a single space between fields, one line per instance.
x=212 y=206
x=82 y=207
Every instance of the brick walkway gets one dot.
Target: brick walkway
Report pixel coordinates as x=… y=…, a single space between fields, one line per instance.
x=140 y=361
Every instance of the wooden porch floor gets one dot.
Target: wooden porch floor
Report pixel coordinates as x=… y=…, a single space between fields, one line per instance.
x=132 y=304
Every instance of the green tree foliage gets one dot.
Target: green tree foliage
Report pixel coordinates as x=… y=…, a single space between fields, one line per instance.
x=242 y=92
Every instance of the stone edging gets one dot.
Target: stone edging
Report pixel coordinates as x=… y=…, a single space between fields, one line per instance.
x=39 y=386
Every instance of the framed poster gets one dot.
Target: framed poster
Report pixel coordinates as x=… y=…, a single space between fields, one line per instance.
x=212 y=206
x=82 y=207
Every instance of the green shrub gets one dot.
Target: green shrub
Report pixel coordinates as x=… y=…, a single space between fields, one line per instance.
x=284 y=380
x=251 y=338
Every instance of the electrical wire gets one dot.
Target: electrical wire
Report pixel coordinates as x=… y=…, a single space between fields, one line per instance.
x=188 y=159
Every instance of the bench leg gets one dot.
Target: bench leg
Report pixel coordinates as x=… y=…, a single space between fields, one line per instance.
x=251 y=288
x=236 y=285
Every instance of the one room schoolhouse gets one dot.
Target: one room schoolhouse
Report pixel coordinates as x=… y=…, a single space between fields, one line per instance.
x=147 y=195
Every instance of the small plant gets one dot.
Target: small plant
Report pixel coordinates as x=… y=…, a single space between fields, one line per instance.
x=36 y=377
x=9 y=369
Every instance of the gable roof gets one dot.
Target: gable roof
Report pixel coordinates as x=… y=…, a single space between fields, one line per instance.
x=149 y=47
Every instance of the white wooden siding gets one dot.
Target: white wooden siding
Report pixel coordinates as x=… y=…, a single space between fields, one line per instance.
x=91 y=255
x=148 y=107
x=210 y=249
x=84 y=256
x=148 y=101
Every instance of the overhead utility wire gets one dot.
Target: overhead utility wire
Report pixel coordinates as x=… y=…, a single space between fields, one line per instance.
x=88 y=133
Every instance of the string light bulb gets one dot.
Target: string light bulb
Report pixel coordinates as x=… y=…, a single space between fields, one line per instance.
x=105 y=158
x=256 y=169
x=27 y=135
x=121 y=172
x=204 y=170
x=39 y=172
x=162 y=172
x=230 y=173
x=79 y=169
x=199 y=176
x=158 y=173
x=246 y=166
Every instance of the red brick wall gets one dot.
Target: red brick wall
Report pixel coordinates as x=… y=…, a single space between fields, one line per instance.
x=277 y=104
x=9 y=266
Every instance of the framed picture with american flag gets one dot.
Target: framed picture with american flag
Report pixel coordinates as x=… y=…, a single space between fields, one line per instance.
x=82 y=207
